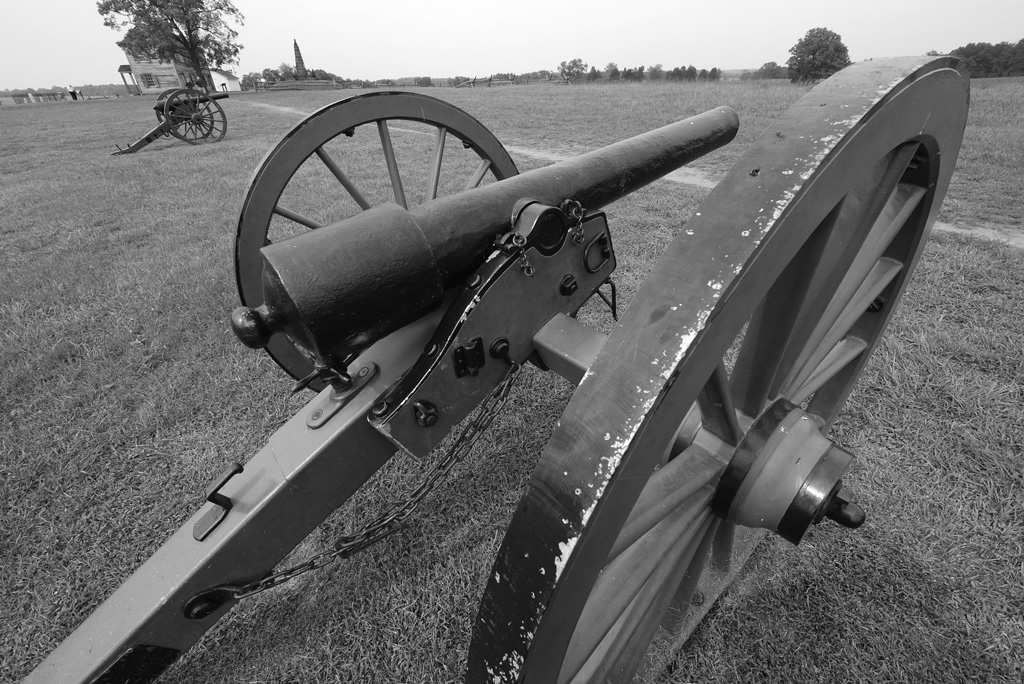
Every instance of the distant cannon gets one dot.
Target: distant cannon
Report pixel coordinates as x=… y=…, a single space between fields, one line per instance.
x=699 y=421
x=186 y=114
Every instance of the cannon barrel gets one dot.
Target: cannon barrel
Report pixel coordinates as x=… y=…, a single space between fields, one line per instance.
x=337 y=289
x=159 y=106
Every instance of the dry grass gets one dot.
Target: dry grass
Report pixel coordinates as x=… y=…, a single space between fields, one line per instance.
x=123 y=391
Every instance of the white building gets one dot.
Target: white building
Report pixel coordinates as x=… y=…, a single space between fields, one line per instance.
x=225 y=81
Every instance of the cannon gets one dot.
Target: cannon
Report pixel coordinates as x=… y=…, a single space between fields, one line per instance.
x=185 y=114
x=699 y=422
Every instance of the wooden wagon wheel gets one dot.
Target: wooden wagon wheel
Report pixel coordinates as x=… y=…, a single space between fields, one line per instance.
x=194 y=117
x=301 y=183
x=762 y=313
x=161 y=97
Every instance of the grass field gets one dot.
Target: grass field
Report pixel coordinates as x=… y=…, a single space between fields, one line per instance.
x=124 y=391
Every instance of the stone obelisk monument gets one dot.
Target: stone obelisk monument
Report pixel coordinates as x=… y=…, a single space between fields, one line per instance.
x=300 y=66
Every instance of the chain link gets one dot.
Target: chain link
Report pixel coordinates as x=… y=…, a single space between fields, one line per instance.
x=574 y=210
x=392 y=521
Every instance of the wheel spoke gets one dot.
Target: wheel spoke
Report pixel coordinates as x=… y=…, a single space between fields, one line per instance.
x=298 y=218
x=721 y=549
x=205 y=110
x=679 y=606
x=392 y=162
x=478 y=175
x=858 y=212
x=877 y=280
x=898 y=210
x=435 y=169
x=670 y=487
x=628 y=589
x=772 y=324
x=667 y=517
x=716 y=408
x=835 y=361
x=350 y=188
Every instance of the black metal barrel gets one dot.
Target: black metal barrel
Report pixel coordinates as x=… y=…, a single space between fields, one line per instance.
x=336 y=290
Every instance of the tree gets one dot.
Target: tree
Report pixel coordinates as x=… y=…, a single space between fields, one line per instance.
x=287 y=72
x=770 y=70
x=321 y=75
x=984 y=59
x=691 y=73
x=270 y=75
x=593 y=74
x=250 y=80
x=633 y=74
x=817 y=55
x=656 y=72
x=573 y=69
x=194 y=32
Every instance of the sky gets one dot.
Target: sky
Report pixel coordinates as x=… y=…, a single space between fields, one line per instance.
x=64 y=42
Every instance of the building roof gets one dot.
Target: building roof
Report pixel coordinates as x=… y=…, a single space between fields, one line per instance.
x=124 y=69
x=225 y=74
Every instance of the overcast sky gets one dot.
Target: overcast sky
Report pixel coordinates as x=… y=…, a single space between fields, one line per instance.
x=64 y=42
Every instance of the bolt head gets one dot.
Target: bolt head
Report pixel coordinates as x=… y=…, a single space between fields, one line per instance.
x=500 y=348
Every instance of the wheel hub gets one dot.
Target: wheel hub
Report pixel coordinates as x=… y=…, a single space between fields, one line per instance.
x=786 y=476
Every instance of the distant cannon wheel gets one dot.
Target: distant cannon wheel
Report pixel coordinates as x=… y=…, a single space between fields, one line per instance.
x=194 y=117
x=709 y=403
x=344 y=159
x=160 y=98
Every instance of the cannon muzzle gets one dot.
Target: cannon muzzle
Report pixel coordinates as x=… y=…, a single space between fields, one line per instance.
x=338 y=289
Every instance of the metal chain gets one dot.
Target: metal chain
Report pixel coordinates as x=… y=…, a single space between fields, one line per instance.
x=518 y=244
x=392 y=521
x=574 y=210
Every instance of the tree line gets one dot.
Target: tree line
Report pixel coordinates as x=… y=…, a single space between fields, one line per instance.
x=576 y=69
x=985 y=60
x=286 y=72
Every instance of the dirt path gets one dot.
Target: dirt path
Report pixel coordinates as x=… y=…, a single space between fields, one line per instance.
x=688 y=176
x=997 y=233
x=279 y=108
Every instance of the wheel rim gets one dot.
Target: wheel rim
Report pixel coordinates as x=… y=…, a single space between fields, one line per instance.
x=827 y=211
x=328 y=168
x=163 y=96
x=194 y=117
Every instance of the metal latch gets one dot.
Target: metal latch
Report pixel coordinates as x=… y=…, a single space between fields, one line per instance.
x=470 y=358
